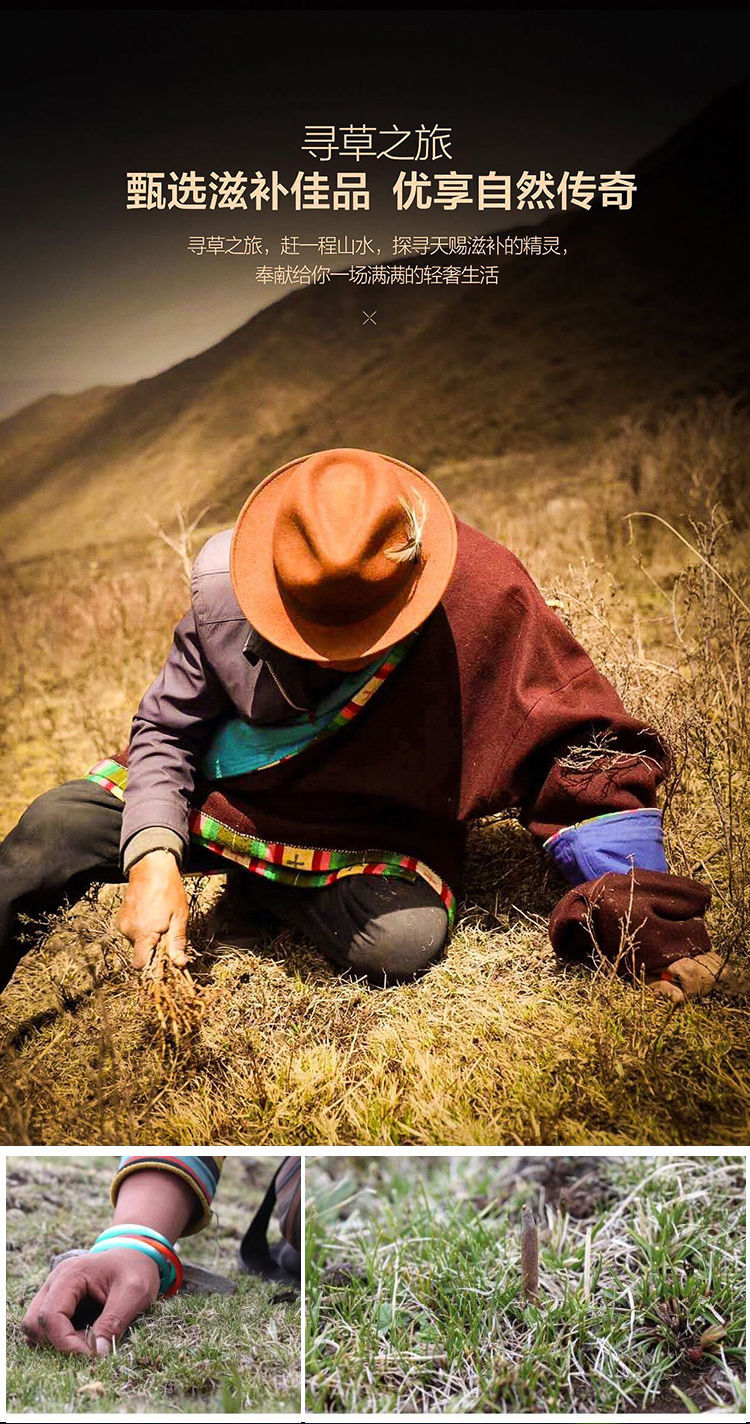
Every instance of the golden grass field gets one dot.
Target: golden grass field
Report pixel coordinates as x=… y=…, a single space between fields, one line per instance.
x=495 y=1044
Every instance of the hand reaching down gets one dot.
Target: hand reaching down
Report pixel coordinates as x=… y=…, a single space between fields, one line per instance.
x=155 y=907
x=109 y=1289
x=695 y=978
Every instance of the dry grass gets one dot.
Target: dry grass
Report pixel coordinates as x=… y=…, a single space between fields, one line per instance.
x=495 y=1044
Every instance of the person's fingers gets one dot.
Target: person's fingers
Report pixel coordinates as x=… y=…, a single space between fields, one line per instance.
x=665 y=989
x=31 y=1333
x=176 y=940
x=126 y=1299
x=28 y=1324
x=121 y=1285
x=124 y=921
x=143 y=948
x=49 y=1319
x=697 y=976
x=700 y=975
x=58 y=1331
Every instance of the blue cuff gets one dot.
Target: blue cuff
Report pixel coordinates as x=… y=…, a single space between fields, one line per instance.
x=614 y=842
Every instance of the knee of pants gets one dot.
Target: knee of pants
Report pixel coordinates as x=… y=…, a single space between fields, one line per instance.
x=46 y=841
x=39 y=829
x=400 y=943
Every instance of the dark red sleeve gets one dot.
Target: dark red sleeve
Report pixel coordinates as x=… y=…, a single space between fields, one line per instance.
x=579 y=754
x=574 y=751
x=641 y=922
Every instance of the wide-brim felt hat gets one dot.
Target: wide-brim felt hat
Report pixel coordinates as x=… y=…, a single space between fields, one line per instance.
x=340 y=554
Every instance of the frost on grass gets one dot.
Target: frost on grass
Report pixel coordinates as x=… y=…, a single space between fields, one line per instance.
x=416 y=1299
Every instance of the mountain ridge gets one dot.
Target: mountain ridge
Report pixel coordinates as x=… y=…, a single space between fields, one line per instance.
x=648 y=308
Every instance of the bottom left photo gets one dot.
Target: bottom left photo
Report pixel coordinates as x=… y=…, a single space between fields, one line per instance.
x=152 y=1283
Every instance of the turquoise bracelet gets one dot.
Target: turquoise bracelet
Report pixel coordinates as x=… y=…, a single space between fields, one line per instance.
x=126 y=1228
x=115 y=1240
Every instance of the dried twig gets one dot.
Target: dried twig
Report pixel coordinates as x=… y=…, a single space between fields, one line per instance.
x=181 y=541
x=646 y=514
x=601 y=751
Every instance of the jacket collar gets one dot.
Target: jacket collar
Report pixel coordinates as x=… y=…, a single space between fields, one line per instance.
x=300 y=682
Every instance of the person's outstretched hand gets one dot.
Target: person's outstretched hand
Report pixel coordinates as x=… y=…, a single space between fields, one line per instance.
x=155 y=907
x=121 y=1284
x=694 y=978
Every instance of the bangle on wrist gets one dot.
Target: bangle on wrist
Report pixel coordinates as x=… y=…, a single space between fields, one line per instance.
x=150 y=1243
x=121 y=1227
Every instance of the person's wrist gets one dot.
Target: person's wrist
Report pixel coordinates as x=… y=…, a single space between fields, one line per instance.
x=135 y=1265
x=164 y=1196
x=150 y=840
x=160 y=858
x=148 y=1244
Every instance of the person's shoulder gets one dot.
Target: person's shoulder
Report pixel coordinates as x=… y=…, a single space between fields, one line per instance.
x=212 y=595
x=214 y=556
x=492 y=592
x=487 y=564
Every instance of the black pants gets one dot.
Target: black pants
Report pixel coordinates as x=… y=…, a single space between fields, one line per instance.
x=69 y=839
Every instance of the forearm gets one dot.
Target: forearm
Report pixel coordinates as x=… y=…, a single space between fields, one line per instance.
x=626 y=904
x=162 y=771
x=609 y=764
x=567 y=747
x=155 y=1199
x=586 y=777
x=196 y=1176
x=169 y=733
x=618 y=842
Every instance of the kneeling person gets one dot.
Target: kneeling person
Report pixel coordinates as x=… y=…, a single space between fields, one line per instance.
x=360 y=676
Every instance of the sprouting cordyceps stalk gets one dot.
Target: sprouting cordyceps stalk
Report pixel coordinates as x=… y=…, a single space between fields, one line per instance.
x=529 y=1254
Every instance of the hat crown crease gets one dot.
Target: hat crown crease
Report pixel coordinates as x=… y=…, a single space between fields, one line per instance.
x=331 y=535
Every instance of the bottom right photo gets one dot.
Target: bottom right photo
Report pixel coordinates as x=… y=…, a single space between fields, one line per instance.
x=490 y=1284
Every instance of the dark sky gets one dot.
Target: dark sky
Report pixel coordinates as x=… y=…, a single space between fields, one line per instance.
x=95 y=294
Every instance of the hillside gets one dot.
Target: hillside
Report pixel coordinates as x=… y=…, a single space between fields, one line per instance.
x=647 y=309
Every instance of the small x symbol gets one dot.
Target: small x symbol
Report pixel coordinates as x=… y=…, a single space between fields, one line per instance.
x=369 y=316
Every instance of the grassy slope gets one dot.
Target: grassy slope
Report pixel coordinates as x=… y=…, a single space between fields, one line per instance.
x=495 y=1044
x=192 y=1354
x=414 y=1292
x=560 y=349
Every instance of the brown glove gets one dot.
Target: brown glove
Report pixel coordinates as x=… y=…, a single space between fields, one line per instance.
x=643 y=922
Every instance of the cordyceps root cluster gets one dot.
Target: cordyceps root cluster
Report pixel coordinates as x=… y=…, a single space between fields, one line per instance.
x=177 y=999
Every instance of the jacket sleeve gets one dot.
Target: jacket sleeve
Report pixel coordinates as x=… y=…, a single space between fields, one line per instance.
x=582 y=756
x=201 y=1174
x=571 y=751
x=170 y=730
x=586 y=775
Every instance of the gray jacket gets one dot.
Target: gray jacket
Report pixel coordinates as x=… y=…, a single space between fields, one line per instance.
x=218 y=667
